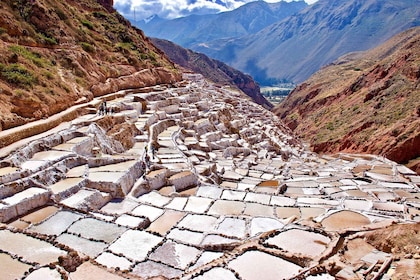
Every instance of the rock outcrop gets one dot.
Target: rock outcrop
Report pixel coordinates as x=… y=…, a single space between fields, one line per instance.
x=364 y=102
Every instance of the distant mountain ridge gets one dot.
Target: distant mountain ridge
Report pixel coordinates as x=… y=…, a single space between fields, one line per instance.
x=199 y=29
x=296 y=46
x=213 y=70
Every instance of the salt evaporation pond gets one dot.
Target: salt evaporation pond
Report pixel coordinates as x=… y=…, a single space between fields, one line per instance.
x=259 y=265
x=344 y=219
x=300 y=242
x=33 y=249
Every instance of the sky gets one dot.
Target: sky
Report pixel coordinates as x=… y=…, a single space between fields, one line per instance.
x=142 y=9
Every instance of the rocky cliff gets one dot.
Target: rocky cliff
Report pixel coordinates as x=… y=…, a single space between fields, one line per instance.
x=364 y=102
x=54 y=54
x=214 y=70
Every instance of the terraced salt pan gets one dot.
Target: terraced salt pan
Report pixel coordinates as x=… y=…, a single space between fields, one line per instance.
x=259 y=198
x=258 y=210
x=151 y=212
x=95 y=229
x=209 y=191
x=78 y=171
x=165 y=222
x=218 y=242
x=195 y=222
x=259 y=265
x=135 y=245
x=150 y=269
x=57 y=224
x=287 y=212
x=33 y=165
x=12 y=268
x=44 y=273
x=217 y=273
x=7 y=170
x=175 y=255
x=65 y=147
x=113 y=261
x=119 y=206
x=358 y=204
x=66 y=187
x=82 y=197
x=29 y=248
x=232 y=227
x=89 y=271
x=311 y=212
x=226 y=207
x=263 y=224
x=177 y=203
x=50 y=155
x=233 y=195
x=23 y=202
x=131 y=221
x=40 y=214
x=344 y=219
x=155 y=199
x=298 y=241
x=186 y=236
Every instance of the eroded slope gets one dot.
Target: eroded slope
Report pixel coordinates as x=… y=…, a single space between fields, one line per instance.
x=367 y=102
x=54 y=54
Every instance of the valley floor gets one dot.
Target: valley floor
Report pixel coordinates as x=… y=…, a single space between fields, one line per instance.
x=197 y=182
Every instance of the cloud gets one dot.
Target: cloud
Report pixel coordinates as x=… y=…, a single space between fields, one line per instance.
x=141 y=9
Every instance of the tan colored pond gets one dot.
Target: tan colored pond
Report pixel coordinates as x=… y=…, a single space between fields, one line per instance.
x=258 y=265
x=344 y=219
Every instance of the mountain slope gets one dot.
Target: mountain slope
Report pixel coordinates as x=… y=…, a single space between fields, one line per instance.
x=216 y=71
x=195 y=30
x=54 y=54
x=298 y=46
x=365 y=102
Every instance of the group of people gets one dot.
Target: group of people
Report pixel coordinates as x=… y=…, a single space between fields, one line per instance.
x=104 y=110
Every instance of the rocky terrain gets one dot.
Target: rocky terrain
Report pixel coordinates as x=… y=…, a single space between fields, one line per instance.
x=214 y=70
x=55 y=54
x=364 y=102
x=194 y=181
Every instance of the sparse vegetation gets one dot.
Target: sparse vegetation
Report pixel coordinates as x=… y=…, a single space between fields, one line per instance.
x=32 y=56
x=87 y=47
x=47 y=40
x=87 y=24
x=17 y=74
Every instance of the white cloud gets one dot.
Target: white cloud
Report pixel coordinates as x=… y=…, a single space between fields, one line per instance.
x=176 y=8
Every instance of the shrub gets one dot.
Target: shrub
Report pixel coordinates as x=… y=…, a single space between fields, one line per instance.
x=61 y=14
x=87 y=24
x=330 y=126
x=48 y=40
x=87 y=47
x=17 y=74
x=100 y=14
x=32 y=56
